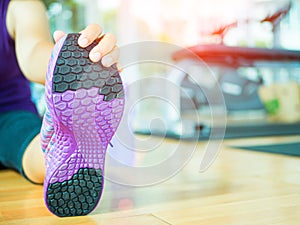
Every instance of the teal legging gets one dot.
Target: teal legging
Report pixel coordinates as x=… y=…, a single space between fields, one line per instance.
x=17 y=129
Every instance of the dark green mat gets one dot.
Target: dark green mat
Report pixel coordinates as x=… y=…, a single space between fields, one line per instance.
x=292 y=149
x=231 y=131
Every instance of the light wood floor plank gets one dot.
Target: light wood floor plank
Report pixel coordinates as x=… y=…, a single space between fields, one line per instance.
x=90 y=220
x=271 y=211
x=240 y=188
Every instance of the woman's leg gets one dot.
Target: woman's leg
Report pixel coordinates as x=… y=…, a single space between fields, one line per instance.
x=33 y=161
x=19 y=132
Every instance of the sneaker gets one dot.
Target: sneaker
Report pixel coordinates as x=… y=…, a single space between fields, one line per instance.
x=85 y=102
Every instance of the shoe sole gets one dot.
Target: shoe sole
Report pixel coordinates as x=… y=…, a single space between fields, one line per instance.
x=86 y=102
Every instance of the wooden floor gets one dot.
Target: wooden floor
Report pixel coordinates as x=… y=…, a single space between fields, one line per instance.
x=240 y=188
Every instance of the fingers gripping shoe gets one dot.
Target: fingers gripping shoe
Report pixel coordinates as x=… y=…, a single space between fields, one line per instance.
x=85 y=102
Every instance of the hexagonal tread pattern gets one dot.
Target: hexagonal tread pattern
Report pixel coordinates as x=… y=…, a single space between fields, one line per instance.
x=76 y=196
x=74 y=70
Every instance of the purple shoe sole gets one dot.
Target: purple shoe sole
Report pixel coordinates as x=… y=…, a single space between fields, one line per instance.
x=86 y=102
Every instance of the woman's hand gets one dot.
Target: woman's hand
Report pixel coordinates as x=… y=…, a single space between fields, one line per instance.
x=106 y=50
